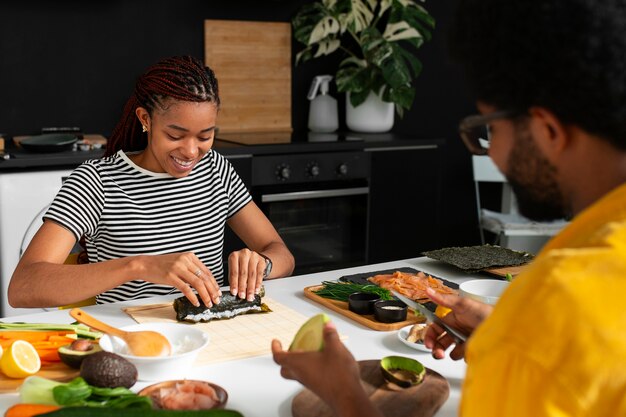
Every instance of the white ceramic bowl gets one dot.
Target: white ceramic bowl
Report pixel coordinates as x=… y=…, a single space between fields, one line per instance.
x=487 y=291
x=186 y=341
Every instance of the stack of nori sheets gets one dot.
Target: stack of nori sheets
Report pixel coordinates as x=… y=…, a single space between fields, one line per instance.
x=477 y=258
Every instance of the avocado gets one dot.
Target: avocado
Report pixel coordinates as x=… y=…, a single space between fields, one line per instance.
x=72 y=355
x=310 y=336
x=404 y=372
x=108 y=370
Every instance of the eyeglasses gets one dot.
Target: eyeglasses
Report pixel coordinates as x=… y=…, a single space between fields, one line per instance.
x=474 y=130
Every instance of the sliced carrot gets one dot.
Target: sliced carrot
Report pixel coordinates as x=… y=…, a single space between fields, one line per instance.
x=29 y=410
x=32 y=335
x=49 y=355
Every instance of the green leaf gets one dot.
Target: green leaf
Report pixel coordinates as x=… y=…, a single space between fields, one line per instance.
x=72 y=393
x=414 y=63
x=403 y=96
x=327 y=47
x=306 y=20
x=395 y=71
x=304 y=55
x=326 y=27
x=352 y=79
x=400 y=31
x=359 y=97
x=355 y=15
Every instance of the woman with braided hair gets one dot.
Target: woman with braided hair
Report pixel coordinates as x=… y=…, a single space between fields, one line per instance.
x=152 y=211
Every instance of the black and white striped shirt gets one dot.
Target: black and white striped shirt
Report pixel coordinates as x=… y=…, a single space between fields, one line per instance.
x=125 y=210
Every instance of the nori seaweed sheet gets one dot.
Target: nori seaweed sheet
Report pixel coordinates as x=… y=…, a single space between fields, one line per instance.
x=229 y=302
x=476 y=258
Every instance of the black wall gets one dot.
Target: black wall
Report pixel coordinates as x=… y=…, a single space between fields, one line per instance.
x=73 y=63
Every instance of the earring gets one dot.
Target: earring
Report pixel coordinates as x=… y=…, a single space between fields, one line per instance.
x=143 y=128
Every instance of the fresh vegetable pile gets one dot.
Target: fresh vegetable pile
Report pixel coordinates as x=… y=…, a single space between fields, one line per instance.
x=77 y=392
x=341 y=290
x=46 y=338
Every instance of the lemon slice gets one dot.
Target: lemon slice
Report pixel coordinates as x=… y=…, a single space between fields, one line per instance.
x=20 y=360
x=442 y=311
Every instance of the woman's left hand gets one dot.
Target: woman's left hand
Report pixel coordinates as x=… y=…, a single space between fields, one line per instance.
x=245 y=274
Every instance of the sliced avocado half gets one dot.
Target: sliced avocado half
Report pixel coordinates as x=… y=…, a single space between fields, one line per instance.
x=310 y=336
x=404 y=372
x=73 y=358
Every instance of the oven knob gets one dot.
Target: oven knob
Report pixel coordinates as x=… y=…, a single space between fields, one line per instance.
x=342 y=169
x=283 y=172
x=313 y=170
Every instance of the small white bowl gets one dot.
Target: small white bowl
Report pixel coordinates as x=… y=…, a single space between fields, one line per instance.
x=403 y=333
x=186 y=341
x=487 y=291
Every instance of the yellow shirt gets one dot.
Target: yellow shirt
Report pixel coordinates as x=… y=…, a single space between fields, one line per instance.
x=555 y=344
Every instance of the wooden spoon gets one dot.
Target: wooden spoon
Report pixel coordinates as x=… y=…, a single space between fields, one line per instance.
x=140 y=343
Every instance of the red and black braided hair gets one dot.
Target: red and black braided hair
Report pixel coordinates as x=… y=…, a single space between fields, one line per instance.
x=181 y=78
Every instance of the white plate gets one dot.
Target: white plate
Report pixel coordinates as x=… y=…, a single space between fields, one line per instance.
x=402 y=335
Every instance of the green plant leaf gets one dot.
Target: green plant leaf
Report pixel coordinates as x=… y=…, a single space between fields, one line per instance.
x=355 y=15
x=306 y=20
x=414 y=63
x=359 y=97
x=304 y=55
x=353 y=79
x=380 y=62
x=403 y=96
x=327 y=47
x=370 y=39
x=400 y=31
x=328 y=26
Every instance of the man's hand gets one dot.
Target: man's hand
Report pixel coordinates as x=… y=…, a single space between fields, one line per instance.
x=465 y=315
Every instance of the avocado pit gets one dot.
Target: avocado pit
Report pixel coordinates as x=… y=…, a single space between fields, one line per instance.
x=73 y=354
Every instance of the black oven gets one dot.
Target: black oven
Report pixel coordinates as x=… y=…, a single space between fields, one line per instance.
x=318 y=203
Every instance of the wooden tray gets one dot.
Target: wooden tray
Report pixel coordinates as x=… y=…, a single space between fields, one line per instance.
x=57 y=371
x=503 y=270
x=368 y=320
x=419 y=401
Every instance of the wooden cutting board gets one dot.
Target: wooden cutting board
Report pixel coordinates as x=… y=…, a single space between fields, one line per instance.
x=419 y=401
x=252 y=63
x=503 y=270
x=368 y=320
x=57 y=371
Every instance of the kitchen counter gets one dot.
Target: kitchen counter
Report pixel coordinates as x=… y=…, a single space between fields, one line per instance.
x=254 y=385
x=236 y=145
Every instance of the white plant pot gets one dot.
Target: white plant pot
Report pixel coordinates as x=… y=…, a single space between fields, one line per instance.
x=371 y=116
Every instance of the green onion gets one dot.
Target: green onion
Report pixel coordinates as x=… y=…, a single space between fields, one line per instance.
x=341 y=290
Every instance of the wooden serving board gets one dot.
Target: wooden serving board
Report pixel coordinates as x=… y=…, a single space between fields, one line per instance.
x=368 y=320
x=422 y=400
x=503 y=270
x=57 y=371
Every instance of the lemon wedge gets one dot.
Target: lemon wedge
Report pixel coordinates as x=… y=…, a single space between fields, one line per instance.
x=442 y=311
x=20 y=360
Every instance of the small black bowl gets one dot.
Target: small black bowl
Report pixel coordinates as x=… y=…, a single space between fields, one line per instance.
x=390 y=311
x=362 y=302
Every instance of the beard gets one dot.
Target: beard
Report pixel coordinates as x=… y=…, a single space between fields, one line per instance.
x=533 y=180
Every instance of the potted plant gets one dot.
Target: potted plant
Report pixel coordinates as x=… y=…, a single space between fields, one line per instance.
x=379 y=38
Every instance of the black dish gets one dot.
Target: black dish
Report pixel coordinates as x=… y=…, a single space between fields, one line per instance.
x=362 y=302
x=53 y=142
x=390 y=311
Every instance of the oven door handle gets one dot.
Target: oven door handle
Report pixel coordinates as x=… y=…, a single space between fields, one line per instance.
x=306 y=195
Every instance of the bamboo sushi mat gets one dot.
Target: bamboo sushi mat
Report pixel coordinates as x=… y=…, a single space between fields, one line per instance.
x=237 y=338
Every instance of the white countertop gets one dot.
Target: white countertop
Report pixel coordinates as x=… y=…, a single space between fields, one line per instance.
x=254 y=385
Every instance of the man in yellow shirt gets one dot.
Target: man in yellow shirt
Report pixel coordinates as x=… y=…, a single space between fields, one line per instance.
x=550 y=78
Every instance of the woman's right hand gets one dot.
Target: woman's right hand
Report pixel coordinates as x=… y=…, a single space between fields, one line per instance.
x=185 y=272
x=465 y=315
